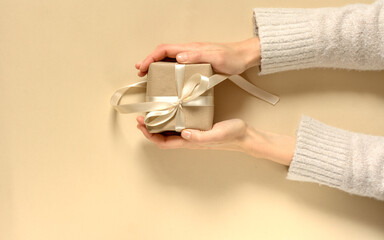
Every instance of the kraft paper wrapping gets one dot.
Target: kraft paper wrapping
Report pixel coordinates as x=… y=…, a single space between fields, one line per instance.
x=161 y=82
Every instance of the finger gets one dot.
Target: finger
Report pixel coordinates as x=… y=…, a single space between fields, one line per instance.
x=138 y=64
x=199 y=57
x=140 y=119
x=153 y=137
x=172 y=142
x=198 y=136
x=168 y=50
x=164 y=142
x=147 y=61
x=141 y=74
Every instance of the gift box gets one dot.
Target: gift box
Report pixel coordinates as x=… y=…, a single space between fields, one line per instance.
x=180 y=96
x=164 y=79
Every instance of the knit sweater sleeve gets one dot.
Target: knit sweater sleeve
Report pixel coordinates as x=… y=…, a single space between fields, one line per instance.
x=350 y=37
x=352 y=162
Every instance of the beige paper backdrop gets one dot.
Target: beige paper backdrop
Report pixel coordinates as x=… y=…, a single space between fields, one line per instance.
x=72 y=169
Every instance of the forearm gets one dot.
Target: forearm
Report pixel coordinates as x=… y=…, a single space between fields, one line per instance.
x=250 y=50
x=271 y=146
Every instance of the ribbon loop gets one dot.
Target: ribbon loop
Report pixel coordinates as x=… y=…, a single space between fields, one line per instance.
x=163 y=108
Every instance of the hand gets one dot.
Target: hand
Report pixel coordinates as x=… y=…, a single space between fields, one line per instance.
x=227 y=58
x=233 y=135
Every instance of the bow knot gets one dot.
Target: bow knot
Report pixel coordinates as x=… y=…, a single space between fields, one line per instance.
x=179 y=103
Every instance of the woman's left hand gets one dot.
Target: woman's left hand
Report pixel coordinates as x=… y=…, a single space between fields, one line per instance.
x=233 y=135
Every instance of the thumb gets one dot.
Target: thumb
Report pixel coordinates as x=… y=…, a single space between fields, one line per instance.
x=193 y=135
x=194 y=57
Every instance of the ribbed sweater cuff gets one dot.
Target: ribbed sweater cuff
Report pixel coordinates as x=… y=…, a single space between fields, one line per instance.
x=321 y=155
x=286 y=39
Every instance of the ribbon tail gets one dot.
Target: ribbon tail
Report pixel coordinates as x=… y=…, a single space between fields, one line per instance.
x=252 y=89
x=198 y=84
x=155 y=118
x=116 y=97
x=136 y=107
x=180 y=120
x=142 y=107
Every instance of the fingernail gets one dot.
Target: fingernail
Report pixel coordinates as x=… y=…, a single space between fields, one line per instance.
x=186 y=134
x=182 y=57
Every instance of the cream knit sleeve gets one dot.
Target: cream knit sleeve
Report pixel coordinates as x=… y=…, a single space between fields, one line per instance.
x=350 y=37
x=352 y=162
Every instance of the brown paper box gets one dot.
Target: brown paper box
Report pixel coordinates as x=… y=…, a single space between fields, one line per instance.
x=161 y=82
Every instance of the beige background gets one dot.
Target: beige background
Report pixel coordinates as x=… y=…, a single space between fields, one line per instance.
x=72 y=169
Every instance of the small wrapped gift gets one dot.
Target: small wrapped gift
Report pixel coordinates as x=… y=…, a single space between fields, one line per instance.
x=166 y=80
x=181 y=96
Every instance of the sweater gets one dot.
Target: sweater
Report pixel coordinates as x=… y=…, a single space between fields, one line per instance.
x=350 y=37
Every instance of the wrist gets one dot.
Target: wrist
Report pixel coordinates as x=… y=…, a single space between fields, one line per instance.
x=250 y=50
x=274 y=147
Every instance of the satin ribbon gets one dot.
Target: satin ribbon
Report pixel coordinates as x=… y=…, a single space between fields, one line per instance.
x=163 y=108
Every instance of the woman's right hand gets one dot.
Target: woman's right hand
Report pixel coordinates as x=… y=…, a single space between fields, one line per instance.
x=227 y=58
